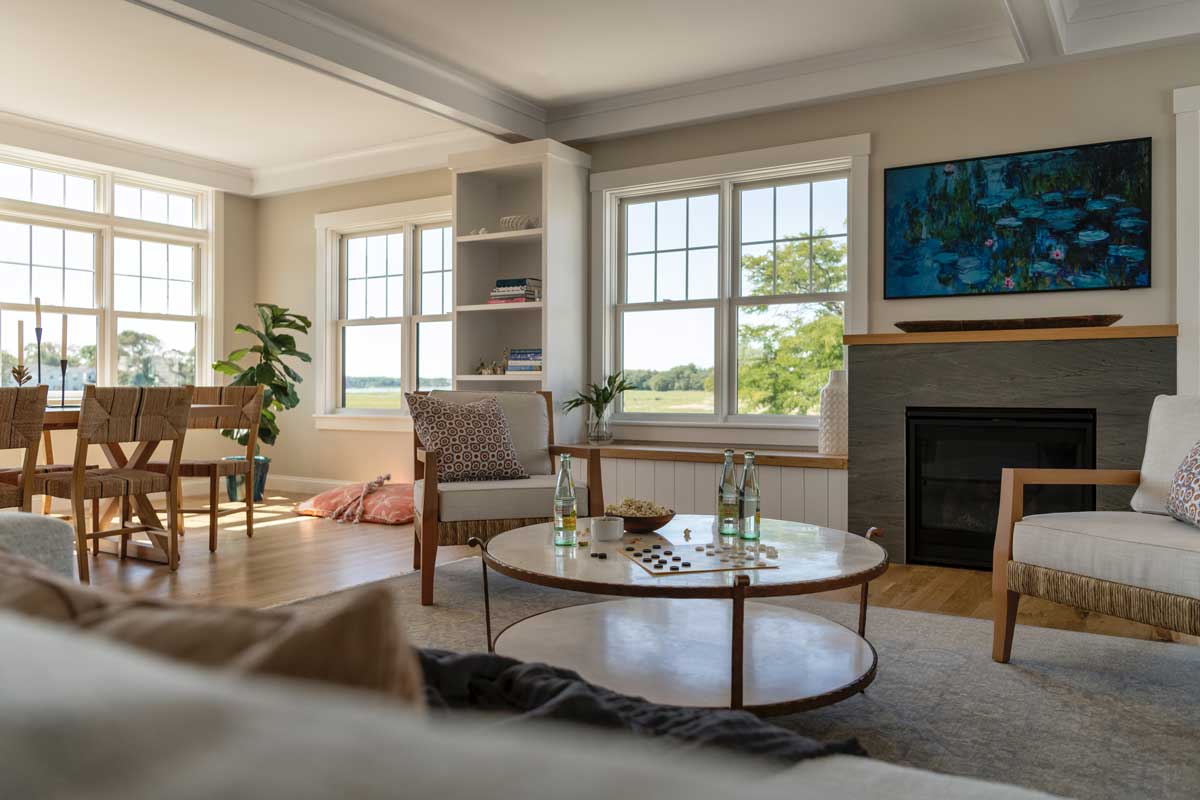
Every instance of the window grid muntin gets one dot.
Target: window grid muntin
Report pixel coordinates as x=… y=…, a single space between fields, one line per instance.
x=411 y=318
x=34 y=168
x=729 y=279
x=625 y=254
x=195 y=199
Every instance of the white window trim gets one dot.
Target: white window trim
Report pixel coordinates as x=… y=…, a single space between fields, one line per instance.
x=850 y=154
x=1187 y=235
x=330 y=228
x=106 y=227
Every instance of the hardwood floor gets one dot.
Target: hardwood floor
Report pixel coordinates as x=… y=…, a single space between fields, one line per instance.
x=292 y=557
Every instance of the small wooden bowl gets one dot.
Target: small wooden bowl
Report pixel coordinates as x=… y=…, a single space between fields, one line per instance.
x=646 y=524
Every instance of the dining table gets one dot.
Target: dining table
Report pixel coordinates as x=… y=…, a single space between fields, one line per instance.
x=154 y=546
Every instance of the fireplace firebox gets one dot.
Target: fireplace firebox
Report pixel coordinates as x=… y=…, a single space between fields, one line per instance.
x=954 y=459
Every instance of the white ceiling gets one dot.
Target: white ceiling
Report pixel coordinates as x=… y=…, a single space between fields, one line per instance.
x=266 y=96
x=574 y=51
x=114 y=68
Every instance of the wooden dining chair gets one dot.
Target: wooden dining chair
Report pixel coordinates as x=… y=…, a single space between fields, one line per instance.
x=248 y=400
x=110 y=417
x=21 y=412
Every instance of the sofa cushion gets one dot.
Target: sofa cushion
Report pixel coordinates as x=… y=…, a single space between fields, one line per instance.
x=93 y=703
x=1144 y=550
x=476 y=500
x=356 y=643
x=1174 y=428
x=528 y=423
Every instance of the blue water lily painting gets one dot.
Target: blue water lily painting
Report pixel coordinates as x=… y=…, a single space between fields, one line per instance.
x=1042 y=221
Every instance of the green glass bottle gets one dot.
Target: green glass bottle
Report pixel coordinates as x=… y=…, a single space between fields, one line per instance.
x=751 y=500
x=564 y=505
x=727 y=498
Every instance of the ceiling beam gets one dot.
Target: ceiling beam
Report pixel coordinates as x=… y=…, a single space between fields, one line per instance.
x=304 y=35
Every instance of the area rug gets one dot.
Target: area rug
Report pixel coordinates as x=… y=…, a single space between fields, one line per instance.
x=1074 y=714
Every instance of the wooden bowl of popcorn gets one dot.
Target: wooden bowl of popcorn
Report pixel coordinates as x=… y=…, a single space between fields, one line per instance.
x=641 y=516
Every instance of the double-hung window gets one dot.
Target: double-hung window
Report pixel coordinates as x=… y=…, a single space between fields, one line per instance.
x=124 y=261
x=730 y=295
x=393 y=327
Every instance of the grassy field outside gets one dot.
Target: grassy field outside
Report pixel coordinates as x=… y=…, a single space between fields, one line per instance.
x=643 y=401
x=375 y=398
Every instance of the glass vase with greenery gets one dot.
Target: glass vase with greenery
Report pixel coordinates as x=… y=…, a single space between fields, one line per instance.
x=599 y=399
x=272 y=372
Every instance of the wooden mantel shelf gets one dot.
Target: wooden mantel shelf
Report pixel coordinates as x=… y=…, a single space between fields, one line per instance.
x=714 y=454
x=1022 y=335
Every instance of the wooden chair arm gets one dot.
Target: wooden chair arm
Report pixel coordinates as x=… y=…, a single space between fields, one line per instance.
x=583 y=451
x=1012 y=502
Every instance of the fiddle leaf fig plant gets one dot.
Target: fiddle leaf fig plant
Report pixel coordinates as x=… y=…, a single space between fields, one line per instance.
x=599 y=396
x=270 y=370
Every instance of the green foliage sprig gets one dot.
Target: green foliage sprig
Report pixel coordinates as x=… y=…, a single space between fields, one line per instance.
x=271 y=371
x=598 y=396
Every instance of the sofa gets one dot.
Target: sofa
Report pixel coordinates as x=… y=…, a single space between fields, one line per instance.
x=1142 y=564
x=84 y=716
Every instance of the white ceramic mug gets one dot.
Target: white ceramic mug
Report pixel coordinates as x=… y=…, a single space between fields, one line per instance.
x=608 y=529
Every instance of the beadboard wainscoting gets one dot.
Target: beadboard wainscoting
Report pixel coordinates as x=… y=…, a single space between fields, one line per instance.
x=798 y=494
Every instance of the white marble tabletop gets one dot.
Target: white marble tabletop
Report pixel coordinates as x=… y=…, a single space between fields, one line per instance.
x=811 y=558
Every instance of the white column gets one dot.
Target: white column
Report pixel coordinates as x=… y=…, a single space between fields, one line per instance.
x=1187 y=237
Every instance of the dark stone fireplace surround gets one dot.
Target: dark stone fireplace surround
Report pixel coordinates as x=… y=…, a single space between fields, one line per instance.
x=1118 y=378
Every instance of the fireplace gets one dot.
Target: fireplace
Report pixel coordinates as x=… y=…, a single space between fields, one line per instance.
x=954 y=458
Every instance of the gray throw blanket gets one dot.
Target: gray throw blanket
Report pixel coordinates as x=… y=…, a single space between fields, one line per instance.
x=483 y=682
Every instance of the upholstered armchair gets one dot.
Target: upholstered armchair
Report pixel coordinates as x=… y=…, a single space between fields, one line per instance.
x=452 y=513
x=1141 y=565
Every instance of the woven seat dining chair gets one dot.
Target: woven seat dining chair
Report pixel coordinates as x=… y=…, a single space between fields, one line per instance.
x=22 y=410
x=109 y=417
x=248 y=400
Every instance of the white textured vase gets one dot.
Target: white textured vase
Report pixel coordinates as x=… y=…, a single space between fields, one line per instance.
x=833 y=436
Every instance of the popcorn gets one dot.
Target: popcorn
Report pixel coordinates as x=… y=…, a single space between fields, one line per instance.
x=630 y=507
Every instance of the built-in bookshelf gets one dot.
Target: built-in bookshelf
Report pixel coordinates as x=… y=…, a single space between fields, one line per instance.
x=539 y=271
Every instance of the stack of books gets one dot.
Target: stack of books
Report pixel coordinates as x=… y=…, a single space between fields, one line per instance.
x=517 y=290
x=524 y=359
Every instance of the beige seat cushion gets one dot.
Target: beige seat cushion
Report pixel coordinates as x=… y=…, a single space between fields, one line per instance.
x=102 y=483
x=1144 y=550
x=1174 y=429
x=528 y=424
x=357 y=642
x=476 y=500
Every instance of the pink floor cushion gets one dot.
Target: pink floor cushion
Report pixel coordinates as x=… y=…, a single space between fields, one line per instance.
x=387 y=504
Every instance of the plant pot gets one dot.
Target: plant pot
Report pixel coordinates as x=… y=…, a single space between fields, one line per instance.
x=599 y=426
x=235 y=485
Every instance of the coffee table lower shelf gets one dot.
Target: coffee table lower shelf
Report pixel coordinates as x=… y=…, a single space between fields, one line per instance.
x=677 y=652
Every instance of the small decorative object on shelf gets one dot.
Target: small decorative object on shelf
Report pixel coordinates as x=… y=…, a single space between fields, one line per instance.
x=598 y=398
x=833 y=433
x=518 y=222
x=490 y=368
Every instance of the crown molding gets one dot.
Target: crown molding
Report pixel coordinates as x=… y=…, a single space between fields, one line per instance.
x=1083 y=28
x=64 y=141
x=411 y=155
x=812 y=80
x=300 y=33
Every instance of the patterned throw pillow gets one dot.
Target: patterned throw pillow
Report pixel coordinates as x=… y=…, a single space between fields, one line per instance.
x=1183 y=503
x=472 y=440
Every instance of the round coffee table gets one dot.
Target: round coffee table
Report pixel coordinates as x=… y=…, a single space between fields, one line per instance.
x=695 y=638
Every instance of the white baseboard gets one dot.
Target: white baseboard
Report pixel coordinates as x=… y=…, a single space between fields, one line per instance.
x=302 y=484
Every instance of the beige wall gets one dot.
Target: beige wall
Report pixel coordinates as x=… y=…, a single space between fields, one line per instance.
x=286 y=276
x=1096 y=100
